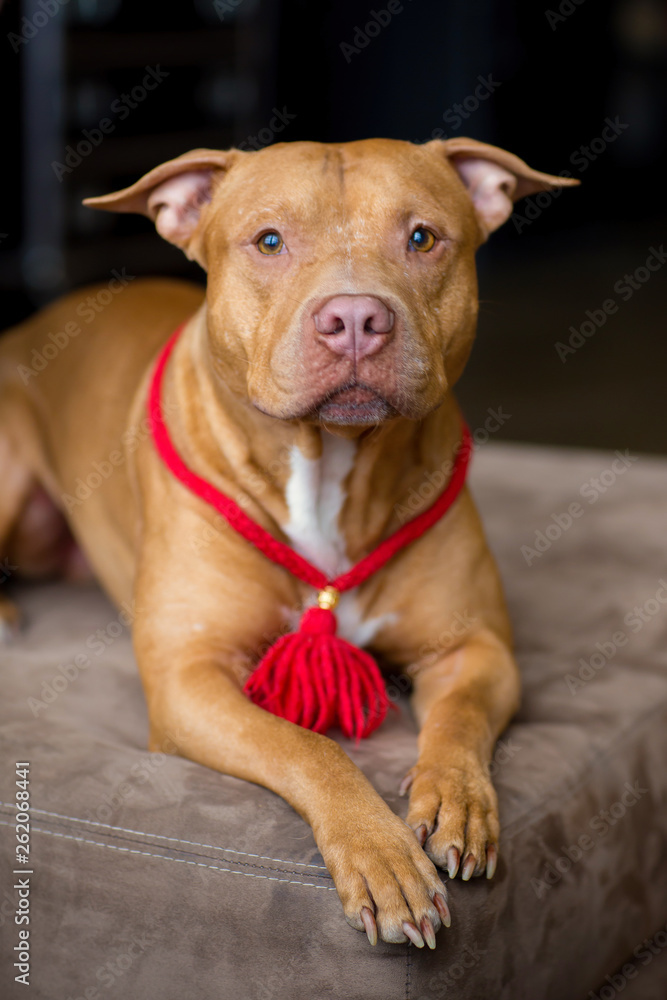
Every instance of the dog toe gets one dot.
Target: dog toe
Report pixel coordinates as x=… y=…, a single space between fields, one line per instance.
x=457 y=809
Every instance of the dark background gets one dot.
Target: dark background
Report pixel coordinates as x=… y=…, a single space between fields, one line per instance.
x=557 y=73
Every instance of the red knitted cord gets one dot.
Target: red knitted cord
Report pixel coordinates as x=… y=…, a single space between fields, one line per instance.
x=271 y=547
x=313 y=677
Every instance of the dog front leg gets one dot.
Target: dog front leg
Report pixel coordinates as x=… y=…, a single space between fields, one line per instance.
x=462 y=702
x=386 y=883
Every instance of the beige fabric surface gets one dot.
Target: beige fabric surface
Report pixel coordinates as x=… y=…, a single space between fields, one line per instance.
x=157 y=879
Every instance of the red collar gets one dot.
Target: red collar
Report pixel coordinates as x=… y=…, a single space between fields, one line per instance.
x=285 y=556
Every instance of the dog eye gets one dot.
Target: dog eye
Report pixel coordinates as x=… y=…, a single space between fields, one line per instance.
x=422 y=239
x=270 y=243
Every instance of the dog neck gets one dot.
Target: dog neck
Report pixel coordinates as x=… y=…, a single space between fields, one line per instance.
x=333 y=495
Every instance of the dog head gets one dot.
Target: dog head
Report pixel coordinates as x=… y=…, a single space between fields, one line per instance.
x=341 y=278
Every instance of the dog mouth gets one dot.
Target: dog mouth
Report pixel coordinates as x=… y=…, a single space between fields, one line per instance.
x=355 y=403
x=351 y=405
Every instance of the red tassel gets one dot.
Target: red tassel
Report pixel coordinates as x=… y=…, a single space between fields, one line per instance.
x=317 y=680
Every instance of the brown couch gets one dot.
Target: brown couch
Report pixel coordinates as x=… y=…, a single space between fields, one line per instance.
x=157 y=879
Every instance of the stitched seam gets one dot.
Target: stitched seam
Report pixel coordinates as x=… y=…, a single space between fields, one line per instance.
x=408 y=972
x=165 y=857
x=177 y=840
x=197 y=854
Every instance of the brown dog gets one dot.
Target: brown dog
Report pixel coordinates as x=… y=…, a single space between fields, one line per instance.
x=313 y=385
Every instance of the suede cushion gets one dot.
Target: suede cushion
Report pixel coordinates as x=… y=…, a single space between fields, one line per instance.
x=157 y=879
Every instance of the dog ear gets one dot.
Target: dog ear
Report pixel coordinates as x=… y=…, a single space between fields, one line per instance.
x=173 y=194
x=495 y=179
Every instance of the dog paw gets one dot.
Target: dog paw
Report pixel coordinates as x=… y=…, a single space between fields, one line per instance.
x=454 y=813
x=387 y=885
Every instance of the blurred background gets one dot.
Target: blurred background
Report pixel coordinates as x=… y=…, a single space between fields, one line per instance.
x=97 y=92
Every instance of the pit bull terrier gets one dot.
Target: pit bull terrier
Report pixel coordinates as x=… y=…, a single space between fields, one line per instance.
x=312 y=383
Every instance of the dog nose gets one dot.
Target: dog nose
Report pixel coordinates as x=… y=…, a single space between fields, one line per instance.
x=355 y=325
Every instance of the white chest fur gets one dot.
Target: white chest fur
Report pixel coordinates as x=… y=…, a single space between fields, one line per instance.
x=315 y=494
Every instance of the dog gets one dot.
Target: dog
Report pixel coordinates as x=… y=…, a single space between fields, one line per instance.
x=312 y=384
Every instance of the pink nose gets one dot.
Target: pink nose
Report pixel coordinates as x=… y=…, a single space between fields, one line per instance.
x=355 y=325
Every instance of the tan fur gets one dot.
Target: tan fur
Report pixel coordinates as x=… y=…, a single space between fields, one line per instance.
x=242 y=389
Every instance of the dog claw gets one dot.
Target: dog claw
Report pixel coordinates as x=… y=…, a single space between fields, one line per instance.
x=413 y=934
x=421 y=834
x=370 y=926
x=428 y=932
x=468 y=868
x=441 y=906
x=491 y=861
x=453 y=861
x=406 y=784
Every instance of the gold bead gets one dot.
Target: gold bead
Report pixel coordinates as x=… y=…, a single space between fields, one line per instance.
x=328 y=598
